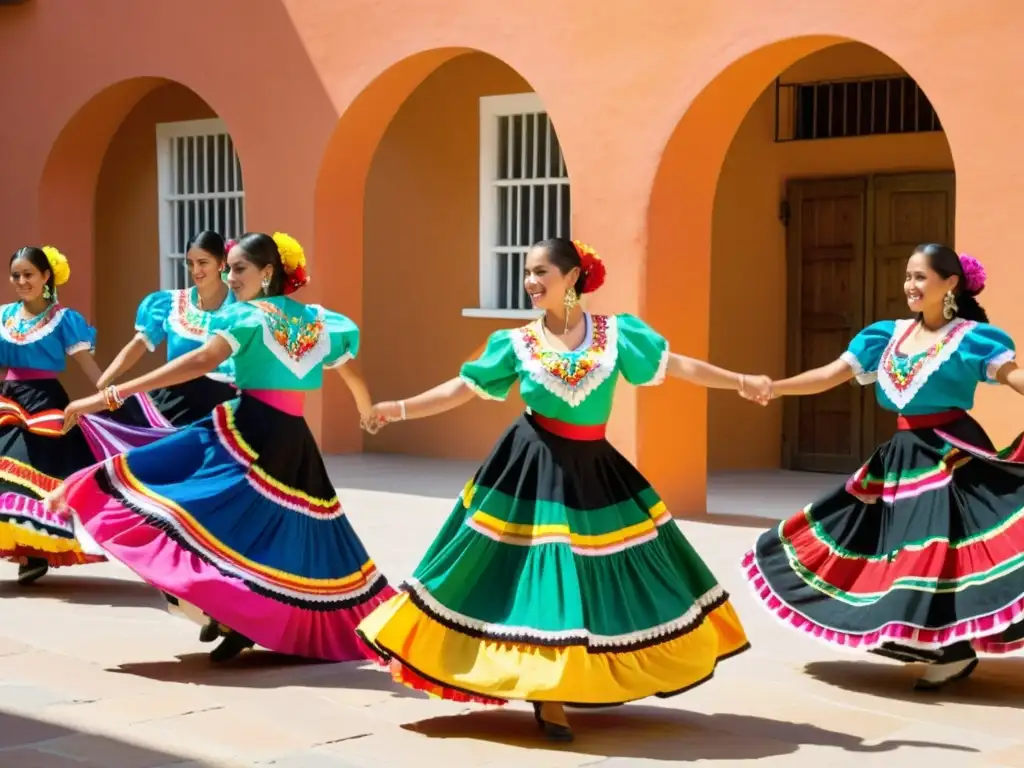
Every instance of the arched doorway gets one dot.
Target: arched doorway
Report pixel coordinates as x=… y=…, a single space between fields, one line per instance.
x=821 y=164
x=139 y=169
x=453 y=168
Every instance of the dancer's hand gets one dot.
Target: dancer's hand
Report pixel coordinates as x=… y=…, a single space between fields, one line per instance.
x=56 y=502
x=757 y=389
x=388 y=411
x=370 y=423
x=92 y=404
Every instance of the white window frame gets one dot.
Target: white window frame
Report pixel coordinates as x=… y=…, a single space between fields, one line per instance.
x=492 y=108
x=170 y=255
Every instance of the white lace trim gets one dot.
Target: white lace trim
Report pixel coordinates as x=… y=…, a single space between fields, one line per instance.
x=858 y=370
x=230 y=339
x=478 y=390
x=340 y=361
x=150 y=346
x=314 y=357
x=662 y=370
x=592 y=640
x=998 y=362
x=901 y=399
x=82 y=346
x=572 y=395
x=38 y=332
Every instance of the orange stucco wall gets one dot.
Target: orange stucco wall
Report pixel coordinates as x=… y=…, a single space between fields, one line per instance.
x=748 y=258
x=646 y=105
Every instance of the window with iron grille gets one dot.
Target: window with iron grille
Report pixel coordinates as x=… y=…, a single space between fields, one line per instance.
x=857 y=107
x=524 y=196
x=200 y=187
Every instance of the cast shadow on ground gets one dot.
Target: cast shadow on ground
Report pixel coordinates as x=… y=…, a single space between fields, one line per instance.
x=265 y=669
x=995 y=683
x=655 y=733
x=87 y=590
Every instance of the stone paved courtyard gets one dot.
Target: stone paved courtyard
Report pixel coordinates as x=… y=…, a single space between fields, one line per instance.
x=94 y=674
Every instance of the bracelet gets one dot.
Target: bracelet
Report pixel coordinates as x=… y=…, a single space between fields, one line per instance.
x=401 y=409
x=113 y=398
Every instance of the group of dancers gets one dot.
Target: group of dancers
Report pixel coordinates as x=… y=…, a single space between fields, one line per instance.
x=559 y=577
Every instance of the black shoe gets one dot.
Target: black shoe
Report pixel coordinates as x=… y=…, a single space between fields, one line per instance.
x=33 y=570
x=210 y=632
x=553 y=731
x=938 y=676
x=232 y=645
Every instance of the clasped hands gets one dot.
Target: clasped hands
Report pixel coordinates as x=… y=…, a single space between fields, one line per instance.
x=756 y=388
x=381 y=414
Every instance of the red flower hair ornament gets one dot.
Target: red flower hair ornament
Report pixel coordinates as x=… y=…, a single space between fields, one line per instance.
x=593 y=268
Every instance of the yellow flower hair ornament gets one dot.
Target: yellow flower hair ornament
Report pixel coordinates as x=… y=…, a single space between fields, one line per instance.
x=293 y=259
x=58 y=265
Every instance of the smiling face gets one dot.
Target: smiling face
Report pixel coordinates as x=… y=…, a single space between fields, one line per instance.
x=545 y=283
x=27 y=280
x=245 y=279
x=203 y=266
x=924 y=287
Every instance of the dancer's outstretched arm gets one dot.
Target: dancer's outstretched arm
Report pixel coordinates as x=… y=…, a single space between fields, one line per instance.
x=185 y=368
x=815 y=380
x=711 y=376
x=443 y=397
x=356 y=384
x=129 y=355
x=1011 y=376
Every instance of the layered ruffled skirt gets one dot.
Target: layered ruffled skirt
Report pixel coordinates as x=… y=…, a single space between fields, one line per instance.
x=150 y=416
x=559 y=576
x=34 y=458
x=235 y=517
x=922 y=548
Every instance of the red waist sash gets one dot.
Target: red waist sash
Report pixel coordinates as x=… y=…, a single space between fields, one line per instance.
x=29 y=374
x=928 y=420
x=567 y=430
x=288 y=401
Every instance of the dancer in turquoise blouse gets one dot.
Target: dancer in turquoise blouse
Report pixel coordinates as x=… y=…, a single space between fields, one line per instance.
x=917 y=556
x=234 y=518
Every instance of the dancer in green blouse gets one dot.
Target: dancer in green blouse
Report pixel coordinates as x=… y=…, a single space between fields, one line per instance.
x=560 y=577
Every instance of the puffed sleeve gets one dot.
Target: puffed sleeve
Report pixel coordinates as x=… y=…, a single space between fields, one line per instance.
x=865 y=351
x=344 y=335
x=987 y=349
x=76 y=334
x=238 y=325
x=151 y=319
x=493 y=373
x=642 y=352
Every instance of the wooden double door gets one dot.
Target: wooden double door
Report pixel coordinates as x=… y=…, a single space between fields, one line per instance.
x=848 y=241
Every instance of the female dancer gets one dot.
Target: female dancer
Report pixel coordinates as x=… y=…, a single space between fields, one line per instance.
x=37 y=335
x=235 y=515
x=181 y=317
x=918 y=555
x=560 y=576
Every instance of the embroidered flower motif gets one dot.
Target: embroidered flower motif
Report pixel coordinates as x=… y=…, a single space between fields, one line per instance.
x=569 y=367
x=295 y=335
x=191 y=319
x=20 y=328
x=903 y=370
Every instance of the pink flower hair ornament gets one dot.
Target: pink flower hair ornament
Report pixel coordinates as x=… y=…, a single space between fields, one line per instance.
x=974 y=274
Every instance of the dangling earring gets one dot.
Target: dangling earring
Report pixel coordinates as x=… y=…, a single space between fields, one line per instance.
x=570 y=301
x=265 y=285
x=46 y=292
x=949 y=306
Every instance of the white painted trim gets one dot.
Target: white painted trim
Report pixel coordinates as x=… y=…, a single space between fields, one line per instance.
x=165 y=132
x=491 y=109
x=502 y=314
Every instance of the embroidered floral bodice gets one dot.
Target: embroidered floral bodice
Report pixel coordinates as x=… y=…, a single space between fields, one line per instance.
x=940 y=378
x=176 y=317
x=577 y=386
x=280 y=343
x=42 y=342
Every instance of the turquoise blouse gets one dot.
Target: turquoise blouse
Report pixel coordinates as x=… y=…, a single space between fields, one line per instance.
x=280 y=343
x=577 y=387
x=175 y=316
x=44 y=341
x=940 y=378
